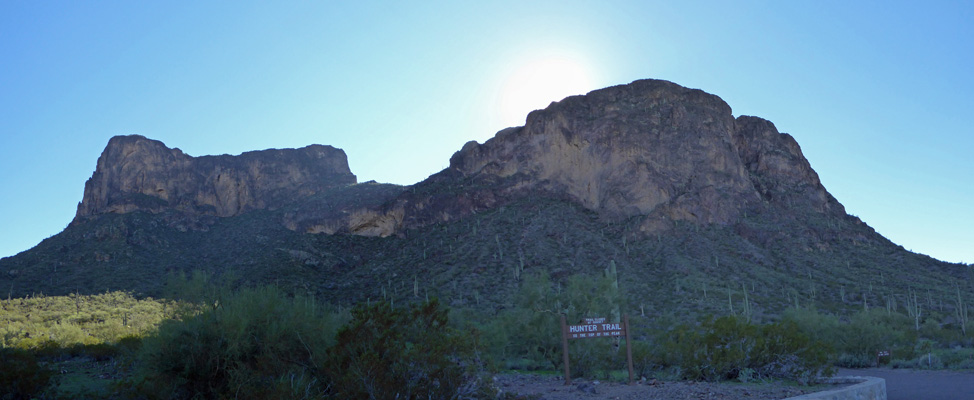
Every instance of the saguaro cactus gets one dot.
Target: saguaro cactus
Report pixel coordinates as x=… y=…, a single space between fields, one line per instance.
x=747 y=304
x=913 y=308
x=962 y=316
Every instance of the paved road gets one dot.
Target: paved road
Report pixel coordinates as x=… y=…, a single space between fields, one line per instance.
x=921 y=385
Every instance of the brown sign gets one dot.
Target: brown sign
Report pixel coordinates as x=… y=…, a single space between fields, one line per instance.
x=595 y=330
x=592 y=328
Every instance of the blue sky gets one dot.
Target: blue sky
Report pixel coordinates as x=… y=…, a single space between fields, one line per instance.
x=879 y=94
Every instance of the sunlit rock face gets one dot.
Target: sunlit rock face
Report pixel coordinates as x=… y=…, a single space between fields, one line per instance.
x=650 y=148
x=139 y=174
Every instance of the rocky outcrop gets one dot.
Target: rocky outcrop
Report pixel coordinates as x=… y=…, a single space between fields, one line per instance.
x=778 y=167
x=650 y=148
x=139 y=174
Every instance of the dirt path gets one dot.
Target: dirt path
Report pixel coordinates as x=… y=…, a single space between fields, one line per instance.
x=921 y=385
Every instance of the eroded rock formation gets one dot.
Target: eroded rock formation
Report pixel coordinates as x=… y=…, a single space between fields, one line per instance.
x=649 y=148
x=135 y=173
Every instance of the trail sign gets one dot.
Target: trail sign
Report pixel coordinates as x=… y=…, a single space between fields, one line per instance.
x=881 y=355
x=593 y=328
x=588 y=330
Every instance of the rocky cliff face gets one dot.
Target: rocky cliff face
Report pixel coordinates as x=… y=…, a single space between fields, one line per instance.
x=650 y=148
x=135 y=173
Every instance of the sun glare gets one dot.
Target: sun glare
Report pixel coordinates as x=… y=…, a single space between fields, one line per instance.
x=536 y=84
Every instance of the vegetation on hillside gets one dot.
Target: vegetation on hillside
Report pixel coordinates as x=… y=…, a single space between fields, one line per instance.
x=771 y=296
x=80 y=320
x=810 y=260
x=260 y=342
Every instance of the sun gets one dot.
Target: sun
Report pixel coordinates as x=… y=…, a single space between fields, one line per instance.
x=535 y=84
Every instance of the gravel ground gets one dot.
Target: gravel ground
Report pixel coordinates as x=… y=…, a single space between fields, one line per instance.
x=548 y=387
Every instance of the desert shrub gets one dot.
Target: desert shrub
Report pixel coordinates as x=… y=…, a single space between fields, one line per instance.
x=815 y=325
x=243 y=347
x=956 y=358
x=785 y=352
x=723 y=348
x=847 y=360
x=528 y=334
x=529 y=331
x=858 y=340
x=868 y=332
x=926 y=361
x=68 y=334
x=21 y=377
x=597 y=357
x=71 y=320
x=100 y=351
x=129 y=345
x=402 y=353
x=42 y=347
x=644 y=360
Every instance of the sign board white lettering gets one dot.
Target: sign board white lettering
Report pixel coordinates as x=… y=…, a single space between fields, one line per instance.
x=595 y=330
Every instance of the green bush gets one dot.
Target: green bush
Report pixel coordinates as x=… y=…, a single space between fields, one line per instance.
x=956 y=358
x=21 y=377
x=528 y=334
x=857 y=341
x=129 y=345
x=404 y=353
x=726 y=347
x=100 y=351
x=644 y=359
x=244 y=347
x=847 y=360
x=31 y=323
x=815 y=325
x=868 y=332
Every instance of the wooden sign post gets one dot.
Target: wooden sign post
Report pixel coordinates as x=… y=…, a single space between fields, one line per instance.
x=593 y=328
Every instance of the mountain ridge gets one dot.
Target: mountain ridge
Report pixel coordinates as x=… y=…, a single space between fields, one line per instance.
x=620 y=151
x=660 y=180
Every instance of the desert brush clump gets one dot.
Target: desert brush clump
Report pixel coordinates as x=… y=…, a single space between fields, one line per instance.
x=264 y=343
x=732 y=348
x=403 y=353
x=527 y=336
x=253 y=343
x=267 y=341
x=22 y=376
x=50 y=323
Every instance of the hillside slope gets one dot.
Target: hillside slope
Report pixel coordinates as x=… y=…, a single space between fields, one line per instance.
x=695 y=207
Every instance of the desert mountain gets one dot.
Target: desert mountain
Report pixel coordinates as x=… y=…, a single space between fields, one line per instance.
x=696 y=208
x=650 y=149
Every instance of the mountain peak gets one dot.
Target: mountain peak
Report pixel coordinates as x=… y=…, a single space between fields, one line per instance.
x=135 y=173
x=650 y=148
